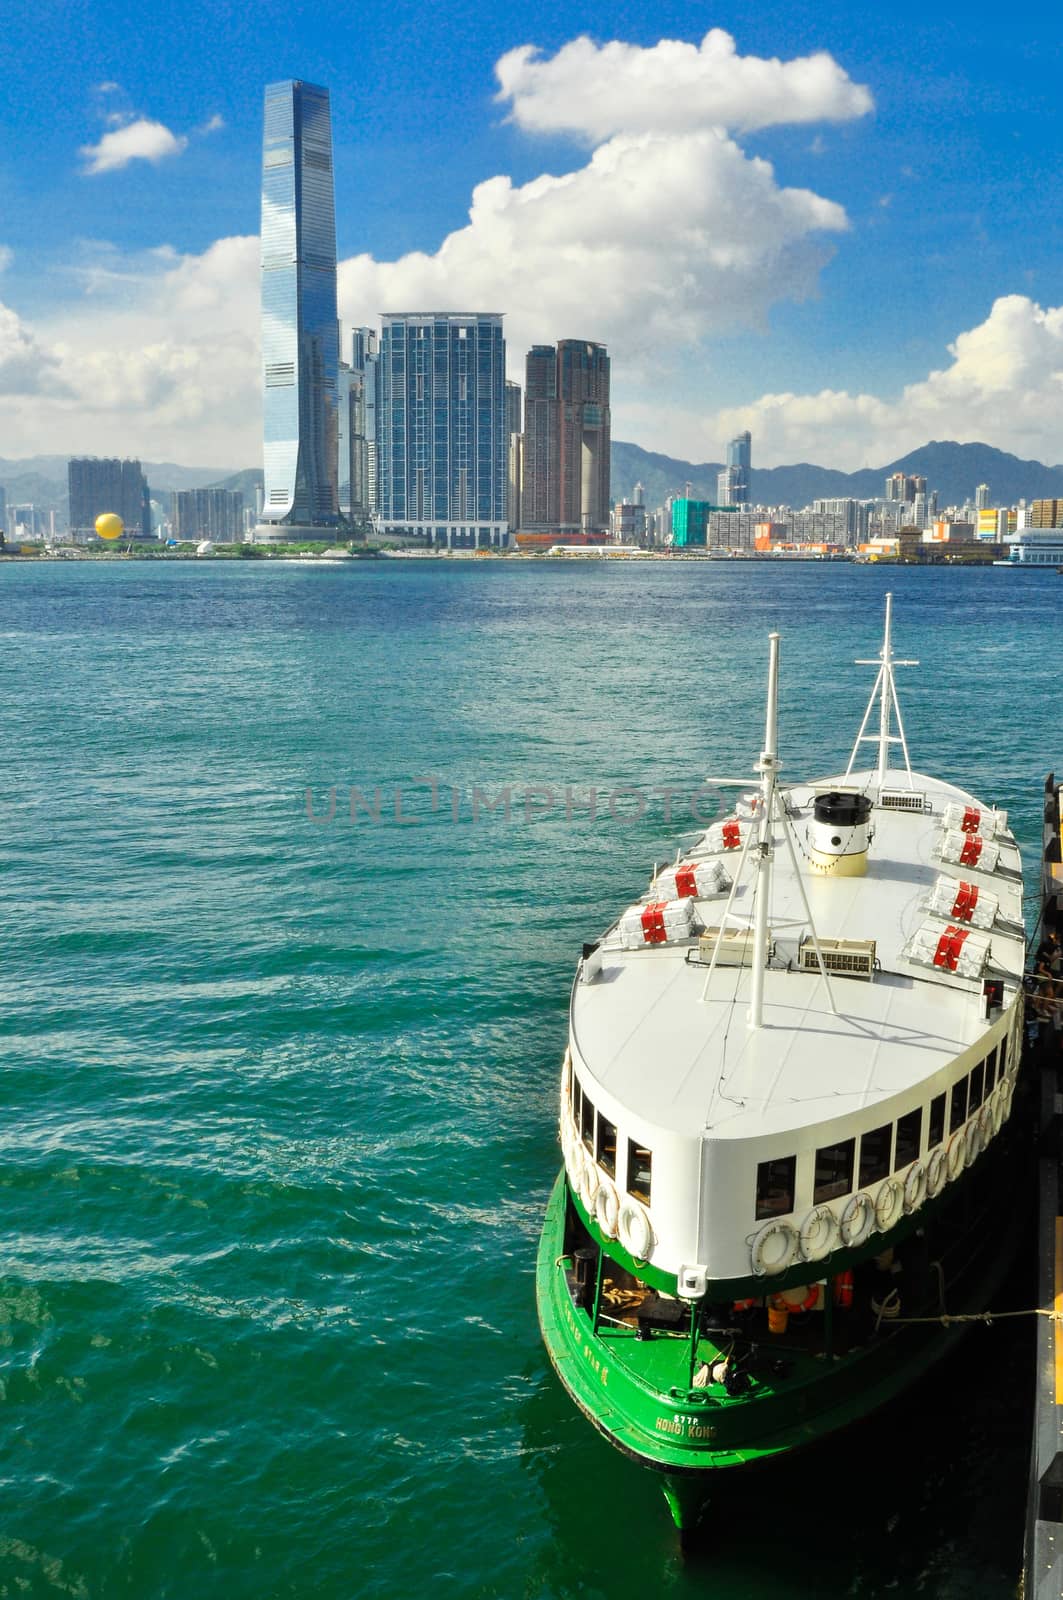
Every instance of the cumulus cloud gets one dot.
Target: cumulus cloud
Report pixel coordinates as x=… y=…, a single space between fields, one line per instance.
x=26 y=366
x=1004 y=384
x=660 y=240
x=139 y=140
x=166 y=366
x=596 y=91
x=212 y=124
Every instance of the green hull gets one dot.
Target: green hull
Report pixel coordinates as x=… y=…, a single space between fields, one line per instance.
x=638 y=1391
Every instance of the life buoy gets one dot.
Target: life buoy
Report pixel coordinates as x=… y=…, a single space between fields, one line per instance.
x=985 y=1125
x=972 y=1142
x=1008 y=1087
x=889 y=1202
x=817 y=1233
x=805 y=1297
x=745 y=1305
x=634 y=1230
x=955 y=1154
x=936 y=1172
x=916 y=1183
x=773 y=1248
x=843 y=1290
x=575 y=1165
x=566 y=1079
x=589 y=1185
x=858 y=1219
x=997 y=1105
x=607 y=1208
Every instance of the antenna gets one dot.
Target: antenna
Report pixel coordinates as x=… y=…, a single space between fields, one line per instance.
x=885 y=690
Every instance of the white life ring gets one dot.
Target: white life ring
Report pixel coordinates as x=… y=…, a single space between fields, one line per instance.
x=817 y=1233
x=858 y=1219
x=590 y=1182
x=607 y=1207
x=773 y=1248
x=972 y=1142
x=1008 y=1086
x=566 y=1077
x=575 y=1165
x=889 y=1203
x=985 y=1124
x=997 y=1105
x=955 y=1155
x=936 y=1172
x=916 y=1184
x=634 y=1229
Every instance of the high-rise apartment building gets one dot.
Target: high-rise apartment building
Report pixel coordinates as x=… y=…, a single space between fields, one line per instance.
x=740 y=469
x=300 y=336
x=356 y=442
x=514 y=443
x=98 y=484
x=441 y=427
x=3 y=509
x=904 y=487
x=565 y=481
x=981 y=497
x=208 y=514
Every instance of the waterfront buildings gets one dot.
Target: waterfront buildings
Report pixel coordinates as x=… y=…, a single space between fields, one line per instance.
x=1045 y=514
x=567 y=432
x=98 y=484
x=216 y=514
x=442 y=450
x=904 y=486
x=3 y=509
x=300 y=337
x=515 y=453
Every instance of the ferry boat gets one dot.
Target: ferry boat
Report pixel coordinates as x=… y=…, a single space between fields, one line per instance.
x=785 y=1114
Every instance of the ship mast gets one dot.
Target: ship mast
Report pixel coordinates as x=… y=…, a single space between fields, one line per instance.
x=885 y=691
x=767 y=766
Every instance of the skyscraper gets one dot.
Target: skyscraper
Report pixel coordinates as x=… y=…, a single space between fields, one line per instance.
x=740 y=466
x=300 y=337
x=441 y=427
x=96 y=485
x=514 y=446
x=356 y=395
x=566 y=438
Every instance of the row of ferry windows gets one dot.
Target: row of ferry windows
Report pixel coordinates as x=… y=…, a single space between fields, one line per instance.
x=879 y=1154
x=599 y=1135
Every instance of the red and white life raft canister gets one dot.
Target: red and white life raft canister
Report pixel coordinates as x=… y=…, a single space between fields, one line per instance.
x=660 y=922
x=724 y=835
x=959 y=901
x=972 y=819
x=950 y=947
x=969 y=850
x=701 y=879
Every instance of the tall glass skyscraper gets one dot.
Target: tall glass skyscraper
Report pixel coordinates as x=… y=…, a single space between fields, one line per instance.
x=300 y=340
x=442 y=450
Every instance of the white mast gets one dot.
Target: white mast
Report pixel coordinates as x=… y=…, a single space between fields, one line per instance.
x=885 y=690
x=767 y=766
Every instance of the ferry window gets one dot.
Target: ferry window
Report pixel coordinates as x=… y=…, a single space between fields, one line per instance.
x=775 y=1187
x=834 y=1171
x=876 y=1148
x=909 y=1135
x=639 y=1163
x=977 y=1088
x=586 y=1122
x=958 y=1109
x=606 y=1145
x=936 y=1130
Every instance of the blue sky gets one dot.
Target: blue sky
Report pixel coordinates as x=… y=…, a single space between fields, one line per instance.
x=951 y=187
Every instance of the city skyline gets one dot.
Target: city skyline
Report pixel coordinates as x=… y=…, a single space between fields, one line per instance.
x=866 y=236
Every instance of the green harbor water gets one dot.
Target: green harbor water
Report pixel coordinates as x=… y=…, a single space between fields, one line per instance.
x=279 y=1086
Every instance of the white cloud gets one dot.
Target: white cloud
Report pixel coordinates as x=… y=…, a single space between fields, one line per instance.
x=141 y=140
x=110 y=87
x=660 y=240
x=212 y=124
x=1004 y=385
x=596 y=91
x=166 y=366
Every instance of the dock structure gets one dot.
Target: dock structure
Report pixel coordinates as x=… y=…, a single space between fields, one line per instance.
x=1043 y=1557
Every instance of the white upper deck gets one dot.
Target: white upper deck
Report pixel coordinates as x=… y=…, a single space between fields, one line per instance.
x=681 y=1056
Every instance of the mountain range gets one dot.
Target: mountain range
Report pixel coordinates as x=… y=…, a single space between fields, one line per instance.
x=954 y=470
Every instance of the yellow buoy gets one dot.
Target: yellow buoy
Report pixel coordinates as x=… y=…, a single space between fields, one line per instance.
x=109 y=526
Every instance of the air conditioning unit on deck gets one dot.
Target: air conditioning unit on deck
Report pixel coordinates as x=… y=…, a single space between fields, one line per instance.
x=842 y=958
x=735 y=944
